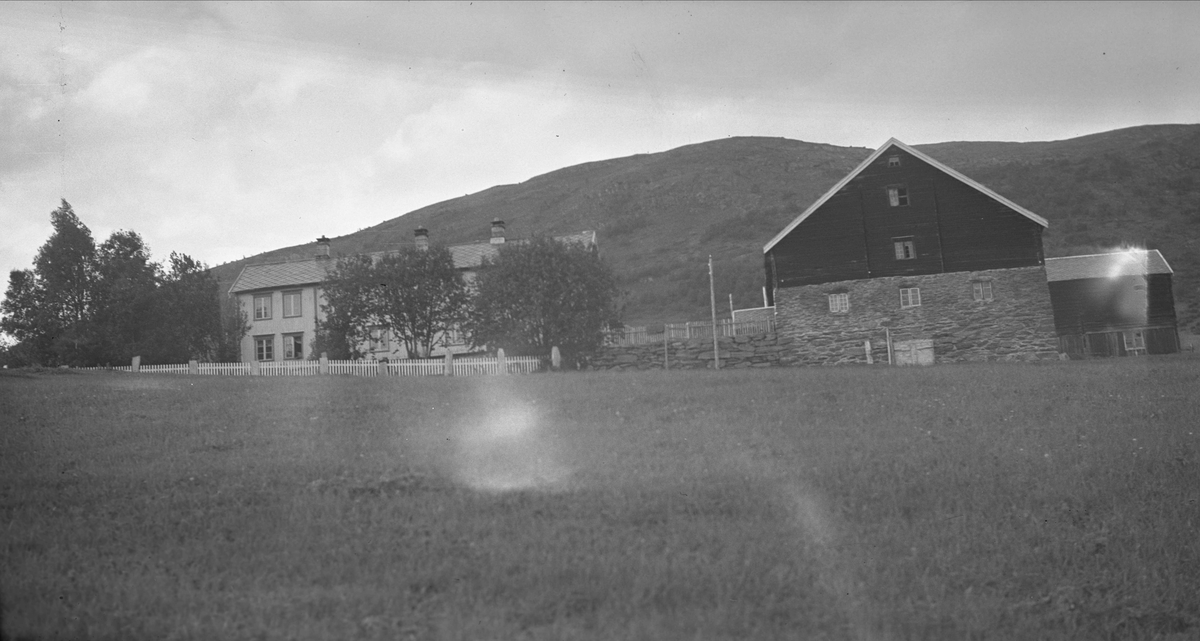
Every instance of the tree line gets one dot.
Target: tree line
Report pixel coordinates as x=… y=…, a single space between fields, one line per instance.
x=84 y=304
x=530 y=297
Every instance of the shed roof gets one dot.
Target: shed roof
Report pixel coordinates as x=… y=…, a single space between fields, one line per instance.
x=1134 y=262
x=879 y=152
x=276 y=275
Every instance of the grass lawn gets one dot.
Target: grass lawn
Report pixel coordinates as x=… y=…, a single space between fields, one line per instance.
x=1005 y=501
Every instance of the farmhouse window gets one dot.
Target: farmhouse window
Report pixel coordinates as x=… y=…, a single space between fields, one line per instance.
x=839 y=303
x=379 y=339
x=905 y=249
x=983 y=289
x=264 y=348
x=910 y=297
x=293 y=346
x=262 y=307
x=292 y=306
x=1134 y=340
x=897 y=196
x=893 y=161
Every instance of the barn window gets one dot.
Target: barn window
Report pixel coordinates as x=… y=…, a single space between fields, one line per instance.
x=905 y=249
x=262 y=307
x=983 y=289
x=839 y=303
x=893 y=161
x=910 y=297
x=264 y=348
x=897 y=196
x=1135 y=341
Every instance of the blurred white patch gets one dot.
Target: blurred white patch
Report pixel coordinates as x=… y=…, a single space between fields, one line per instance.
x=506 y=450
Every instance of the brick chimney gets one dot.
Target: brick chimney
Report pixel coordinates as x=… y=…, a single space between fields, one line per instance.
x=497 y=231
x=421 y=235
x=322 y=248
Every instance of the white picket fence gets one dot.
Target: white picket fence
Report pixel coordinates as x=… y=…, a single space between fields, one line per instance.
x=471 y=366
x=689 y=331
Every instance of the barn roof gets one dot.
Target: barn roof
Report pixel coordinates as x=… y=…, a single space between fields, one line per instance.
x=1135 y=262
x=879 y=152
x=275 y=275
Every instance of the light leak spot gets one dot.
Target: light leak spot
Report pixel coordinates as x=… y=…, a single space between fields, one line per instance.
x=507 y=450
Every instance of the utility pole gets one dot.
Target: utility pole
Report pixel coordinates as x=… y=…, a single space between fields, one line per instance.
x=712 y=297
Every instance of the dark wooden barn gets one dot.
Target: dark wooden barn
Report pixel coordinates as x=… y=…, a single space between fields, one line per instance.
x=907 y=249
x=1114 y=304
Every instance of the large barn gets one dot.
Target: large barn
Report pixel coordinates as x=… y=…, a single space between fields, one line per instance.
x=906 y=260
x=1114 y=304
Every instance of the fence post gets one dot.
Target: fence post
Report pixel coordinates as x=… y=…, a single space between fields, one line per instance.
x=193 y=367
x=449 y=364
x=324 y=366
x=867 y=349
x=135 y=365
x=255 y=368
x=501 y=362
x=555 y=358
x=380 y=368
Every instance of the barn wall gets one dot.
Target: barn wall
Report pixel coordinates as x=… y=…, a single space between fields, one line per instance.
x=1092 y=305
x=1017 y=324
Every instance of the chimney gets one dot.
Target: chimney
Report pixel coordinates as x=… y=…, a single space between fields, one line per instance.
x=422 y=237
x=497 y=231
x=322 y=248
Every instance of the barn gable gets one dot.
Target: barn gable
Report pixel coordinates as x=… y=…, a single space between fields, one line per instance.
x=901 y=212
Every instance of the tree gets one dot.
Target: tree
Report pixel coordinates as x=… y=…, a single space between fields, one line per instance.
x=188 y=322
x=420 y=297
x=49 y=308
x=124 y=297
x=545 y=293
x=416 y=294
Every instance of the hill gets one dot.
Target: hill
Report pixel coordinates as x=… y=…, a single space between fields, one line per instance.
x=659 y=216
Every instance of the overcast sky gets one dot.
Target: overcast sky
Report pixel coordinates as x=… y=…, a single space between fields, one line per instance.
x=224 y=130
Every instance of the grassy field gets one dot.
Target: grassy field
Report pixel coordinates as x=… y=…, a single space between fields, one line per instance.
x=993 y=501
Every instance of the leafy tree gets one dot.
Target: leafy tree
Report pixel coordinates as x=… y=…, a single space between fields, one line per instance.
x=416 y=294
x=124 y=297
x=545 y=293
x=188 y=322
x=420 y=297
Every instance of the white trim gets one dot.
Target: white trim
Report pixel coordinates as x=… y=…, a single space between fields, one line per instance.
x=872 y=158
x=1145 y=251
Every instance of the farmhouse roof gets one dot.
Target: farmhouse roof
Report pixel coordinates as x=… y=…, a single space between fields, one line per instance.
x=312 y=271
x=472 y=255
x=276 y=275
x=1137 y=262
x=879 y=152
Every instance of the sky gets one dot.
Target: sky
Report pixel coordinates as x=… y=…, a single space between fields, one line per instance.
x=222 y=130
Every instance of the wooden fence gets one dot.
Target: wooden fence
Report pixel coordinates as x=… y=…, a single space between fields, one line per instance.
x=471 y=366
x=686 y=331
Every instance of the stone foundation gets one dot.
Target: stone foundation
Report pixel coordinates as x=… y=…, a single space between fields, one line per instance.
x=1016 y=324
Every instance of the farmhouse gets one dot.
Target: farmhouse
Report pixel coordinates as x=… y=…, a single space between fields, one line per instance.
x=1113 y=304
x=906 y=260
x=283 y=300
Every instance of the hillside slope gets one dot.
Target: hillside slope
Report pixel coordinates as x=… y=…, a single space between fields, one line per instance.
x=659 y=216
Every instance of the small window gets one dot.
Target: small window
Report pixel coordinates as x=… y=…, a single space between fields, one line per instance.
x=293 y=346
x=839 y=303
x=905 y=249
x=262 y=307
x=983 y=289
x=379 y=339
x=897 y=196
x=1135 y=341
x=893 y=161
x=264 y=348
x=910 y=297
x=292 y=306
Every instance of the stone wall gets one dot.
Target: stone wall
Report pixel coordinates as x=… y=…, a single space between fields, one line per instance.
x=762 y=350
x=1016 y=324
